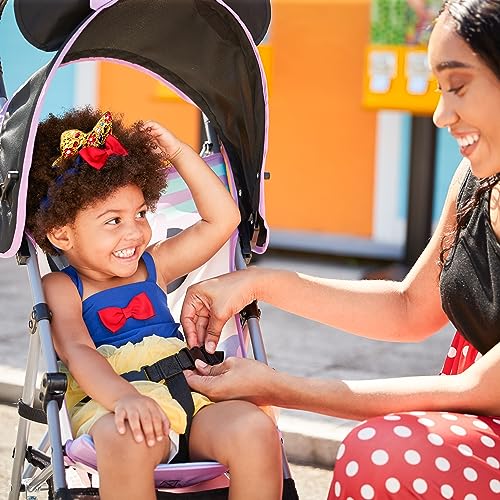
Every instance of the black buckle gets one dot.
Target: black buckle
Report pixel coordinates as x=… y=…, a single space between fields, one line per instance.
x=153 y=372
x=165 y=368
x=174 y=365
x=185 y=359
x=211 y=359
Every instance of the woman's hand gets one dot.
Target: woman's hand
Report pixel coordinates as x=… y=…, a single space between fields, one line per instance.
x=208 y=305
x=167 y=141
x=144 y=416
x=235 y=378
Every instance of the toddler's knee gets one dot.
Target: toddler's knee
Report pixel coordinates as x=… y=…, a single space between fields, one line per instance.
x=106 y=437
x=120 y=448
x=256 y=429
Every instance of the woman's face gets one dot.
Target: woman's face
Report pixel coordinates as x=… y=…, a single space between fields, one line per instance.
x=469 y=105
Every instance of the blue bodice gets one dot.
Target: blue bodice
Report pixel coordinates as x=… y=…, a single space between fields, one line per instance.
x=121 y=300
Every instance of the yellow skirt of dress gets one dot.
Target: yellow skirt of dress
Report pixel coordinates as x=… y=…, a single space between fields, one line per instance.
x=124 y=359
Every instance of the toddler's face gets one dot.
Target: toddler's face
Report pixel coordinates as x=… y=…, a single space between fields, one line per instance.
x=109 y=237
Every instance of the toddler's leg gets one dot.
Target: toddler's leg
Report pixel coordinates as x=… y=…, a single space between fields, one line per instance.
x=125 y=466
x=243 y=437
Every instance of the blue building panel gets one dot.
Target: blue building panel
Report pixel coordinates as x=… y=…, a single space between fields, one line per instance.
x=447 y=159
x=20 y=60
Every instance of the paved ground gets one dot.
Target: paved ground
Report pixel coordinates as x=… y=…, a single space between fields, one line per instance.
x=293 y=344
x=312 y=482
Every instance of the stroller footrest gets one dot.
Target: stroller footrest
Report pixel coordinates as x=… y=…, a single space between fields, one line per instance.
x=30 y=413
x=81 y=453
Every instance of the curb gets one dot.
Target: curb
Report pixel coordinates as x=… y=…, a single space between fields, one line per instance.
x=11 y=384
x=309 y=439
x=313 y=440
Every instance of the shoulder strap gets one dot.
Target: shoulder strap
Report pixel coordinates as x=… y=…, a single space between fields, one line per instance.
x=467 y=189
x=150 y=266
x=71 y=272
x=170 y=371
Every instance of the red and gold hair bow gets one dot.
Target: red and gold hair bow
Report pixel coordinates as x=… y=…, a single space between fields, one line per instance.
x=95 y=147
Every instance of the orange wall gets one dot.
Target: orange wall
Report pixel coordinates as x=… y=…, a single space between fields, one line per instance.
x=138 y=97
x=321 y=143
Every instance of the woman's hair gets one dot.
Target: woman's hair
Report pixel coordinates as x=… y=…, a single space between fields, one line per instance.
x=477 y=22
x=449 y=239
x=58 y=192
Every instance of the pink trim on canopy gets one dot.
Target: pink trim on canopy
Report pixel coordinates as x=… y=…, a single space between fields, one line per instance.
x=146 y=71
x=23 y=187
x=262 y=203
x=99 y=4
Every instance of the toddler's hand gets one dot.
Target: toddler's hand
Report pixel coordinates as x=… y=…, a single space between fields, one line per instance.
x=144 y=416
x=166 y=140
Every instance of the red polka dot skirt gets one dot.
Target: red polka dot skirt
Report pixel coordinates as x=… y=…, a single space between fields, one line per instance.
x=419 y=454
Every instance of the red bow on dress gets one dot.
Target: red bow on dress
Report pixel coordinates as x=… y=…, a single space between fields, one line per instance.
x=140 y=307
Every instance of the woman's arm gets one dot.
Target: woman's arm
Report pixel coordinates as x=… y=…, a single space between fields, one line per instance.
x=386 y=310
x=218 y=211
x=469 y=392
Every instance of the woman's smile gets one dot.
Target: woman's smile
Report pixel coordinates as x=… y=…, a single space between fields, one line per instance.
x=467 y=144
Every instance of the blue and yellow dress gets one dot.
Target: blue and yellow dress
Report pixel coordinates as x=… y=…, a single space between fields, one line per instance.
x=131 y=326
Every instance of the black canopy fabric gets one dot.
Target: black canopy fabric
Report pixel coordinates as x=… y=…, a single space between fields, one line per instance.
x=47 y=24
x=49 y=32
x=196 y=45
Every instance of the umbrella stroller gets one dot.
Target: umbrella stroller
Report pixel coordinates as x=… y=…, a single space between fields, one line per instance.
x=212 y=62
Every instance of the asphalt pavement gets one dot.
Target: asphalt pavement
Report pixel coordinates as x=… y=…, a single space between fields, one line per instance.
x=293 y=344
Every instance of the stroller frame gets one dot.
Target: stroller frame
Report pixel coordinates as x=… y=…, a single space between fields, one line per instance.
x=28 y=479
x=239 y=128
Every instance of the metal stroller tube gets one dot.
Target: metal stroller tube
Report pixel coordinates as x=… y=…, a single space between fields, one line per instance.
x=3 y=92
x=42 y=339
x=253 y=323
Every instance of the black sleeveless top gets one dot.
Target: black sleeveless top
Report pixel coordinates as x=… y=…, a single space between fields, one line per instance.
x=470 y=279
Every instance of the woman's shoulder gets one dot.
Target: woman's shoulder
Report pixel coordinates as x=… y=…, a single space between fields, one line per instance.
x=462 y=185
x=467 y=184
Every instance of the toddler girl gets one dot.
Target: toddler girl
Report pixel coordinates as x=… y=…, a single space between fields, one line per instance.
x=92 y=181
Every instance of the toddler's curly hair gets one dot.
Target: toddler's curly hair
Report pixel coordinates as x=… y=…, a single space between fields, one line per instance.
x=57 y=193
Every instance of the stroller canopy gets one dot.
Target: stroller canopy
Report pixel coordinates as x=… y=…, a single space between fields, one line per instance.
x=200 y=47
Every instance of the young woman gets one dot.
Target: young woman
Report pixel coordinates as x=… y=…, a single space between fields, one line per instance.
x=425 y=437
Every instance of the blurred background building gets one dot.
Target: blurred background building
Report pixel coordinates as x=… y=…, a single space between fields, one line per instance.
x=346 y=80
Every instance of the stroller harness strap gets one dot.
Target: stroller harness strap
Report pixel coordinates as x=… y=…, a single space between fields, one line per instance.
x=169 y=371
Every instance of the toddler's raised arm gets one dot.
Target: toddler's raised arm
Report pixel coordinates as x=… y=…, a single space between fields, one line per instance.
x=219 y=213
